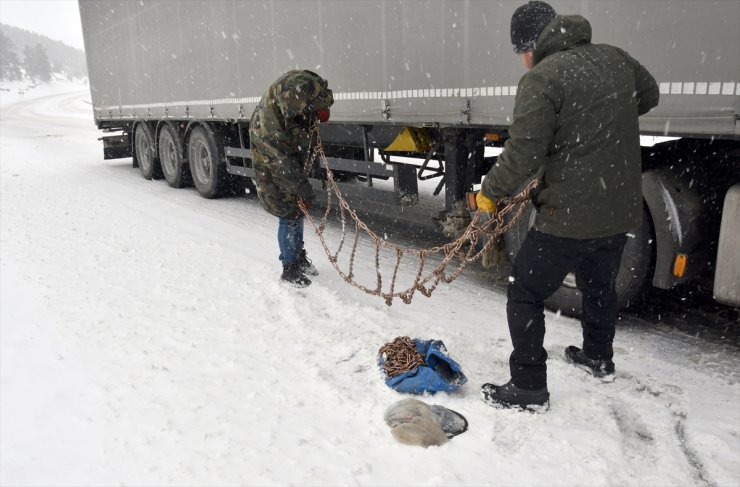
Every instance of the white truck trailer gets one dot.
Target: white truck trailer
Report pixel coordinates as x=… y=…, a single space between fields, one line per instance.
x=177 y=81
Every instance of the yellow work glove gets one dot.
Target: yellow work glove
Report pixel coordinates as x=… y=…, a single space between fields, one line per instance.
x=484 y=204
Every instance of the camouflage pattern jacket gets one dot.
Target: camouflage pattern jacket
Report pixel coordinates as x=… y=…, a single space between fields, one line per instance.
x=279 y=139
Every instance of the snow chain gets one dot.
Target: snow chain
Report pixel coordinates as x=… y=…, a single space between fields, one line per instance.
x=400 y=356
x=462 y=250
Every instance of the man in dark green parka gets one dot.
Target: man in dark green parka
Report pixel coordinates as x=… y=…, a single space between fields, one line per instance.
x=279 y=139
x=576 y=127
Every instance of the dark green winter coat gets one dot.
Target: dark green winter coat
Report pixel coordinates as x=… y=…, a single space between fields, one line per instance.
x=279 y=140
x=576 y=125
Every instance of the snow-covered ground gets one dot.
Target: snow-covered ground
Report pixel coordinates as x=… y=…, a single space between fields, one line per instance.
x=145 y=340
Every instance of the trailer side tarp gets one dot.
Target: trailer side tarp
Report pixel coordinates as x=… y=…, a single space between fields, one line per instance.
x=407 y=62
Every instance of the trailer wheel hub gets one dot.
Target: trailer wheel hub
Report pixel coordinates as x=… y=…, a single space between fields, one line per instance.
x=143 y=154
x=170 y=156
x=202 y=162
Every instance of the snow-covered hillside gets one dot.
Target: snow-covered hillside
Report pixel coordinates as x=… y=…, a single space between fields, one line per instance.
x=145 y=340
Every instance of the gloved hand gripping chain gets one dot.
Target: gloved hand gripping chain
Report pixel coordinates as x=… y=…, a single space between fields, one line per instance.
x=462 y=250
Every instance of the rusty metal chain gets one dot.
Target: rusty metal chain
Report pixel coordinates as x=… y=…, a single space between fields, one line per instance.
x=461 y=250
x=400 y=356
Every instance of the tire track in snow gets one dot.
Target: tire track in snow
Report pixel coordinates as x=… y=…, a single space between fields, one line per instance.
x=639 y=442
x=692 y=458
x=699 y=471
x=637 y=436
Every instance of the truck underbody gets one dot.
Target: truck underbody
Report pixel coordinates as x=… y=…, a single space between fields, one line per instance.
x=677 y=244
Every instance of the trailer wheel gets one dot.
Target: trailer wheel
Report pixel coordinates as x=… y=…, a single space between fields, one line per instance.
x=174 y=167
x=146 y=155
x=635 y=269
x=208 y=172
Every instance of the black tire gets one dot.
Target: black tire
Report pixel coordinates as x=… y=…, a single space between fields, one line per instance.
x=207 y=165
x=635 y=269
x=146 y=154
x=174 y=167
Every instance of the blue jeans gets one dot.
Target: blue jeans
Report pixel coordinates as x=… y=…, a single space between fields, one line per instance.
x=290 y=239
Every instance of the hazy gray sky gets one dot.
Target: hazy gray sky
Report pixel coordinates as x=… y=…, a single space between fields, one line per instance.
x=57 y=19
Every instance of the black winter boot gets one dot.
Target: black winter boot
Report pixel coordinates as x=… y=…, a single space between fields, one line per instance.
x=603 y=369
x=306 y=266
x=292 y=275
x=511 y=396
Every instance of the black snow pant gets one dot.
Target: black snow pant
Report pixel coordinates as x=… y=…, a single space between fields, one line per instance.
x=539 y=269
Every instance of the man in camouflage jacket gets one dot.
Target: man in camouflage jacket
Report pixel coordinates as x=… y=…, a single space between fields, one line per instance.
x=279 y=138
x=576 y=127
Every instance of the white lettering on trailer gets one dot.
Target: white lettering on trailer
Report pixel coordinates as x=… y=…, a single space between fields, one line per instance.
x=714 y=88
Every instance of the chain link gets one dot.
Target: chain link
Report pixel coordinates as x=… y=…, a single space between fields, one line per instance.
x=400 y=356
x=461 y=250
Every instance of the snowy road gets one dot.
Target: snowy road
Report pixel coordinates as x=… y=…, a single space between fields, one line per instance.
x=145 y=340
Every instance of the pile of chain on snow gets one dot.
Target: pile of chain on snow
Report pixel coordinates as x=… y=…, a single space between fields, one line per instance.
x=455 y=255
x=400 y=356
